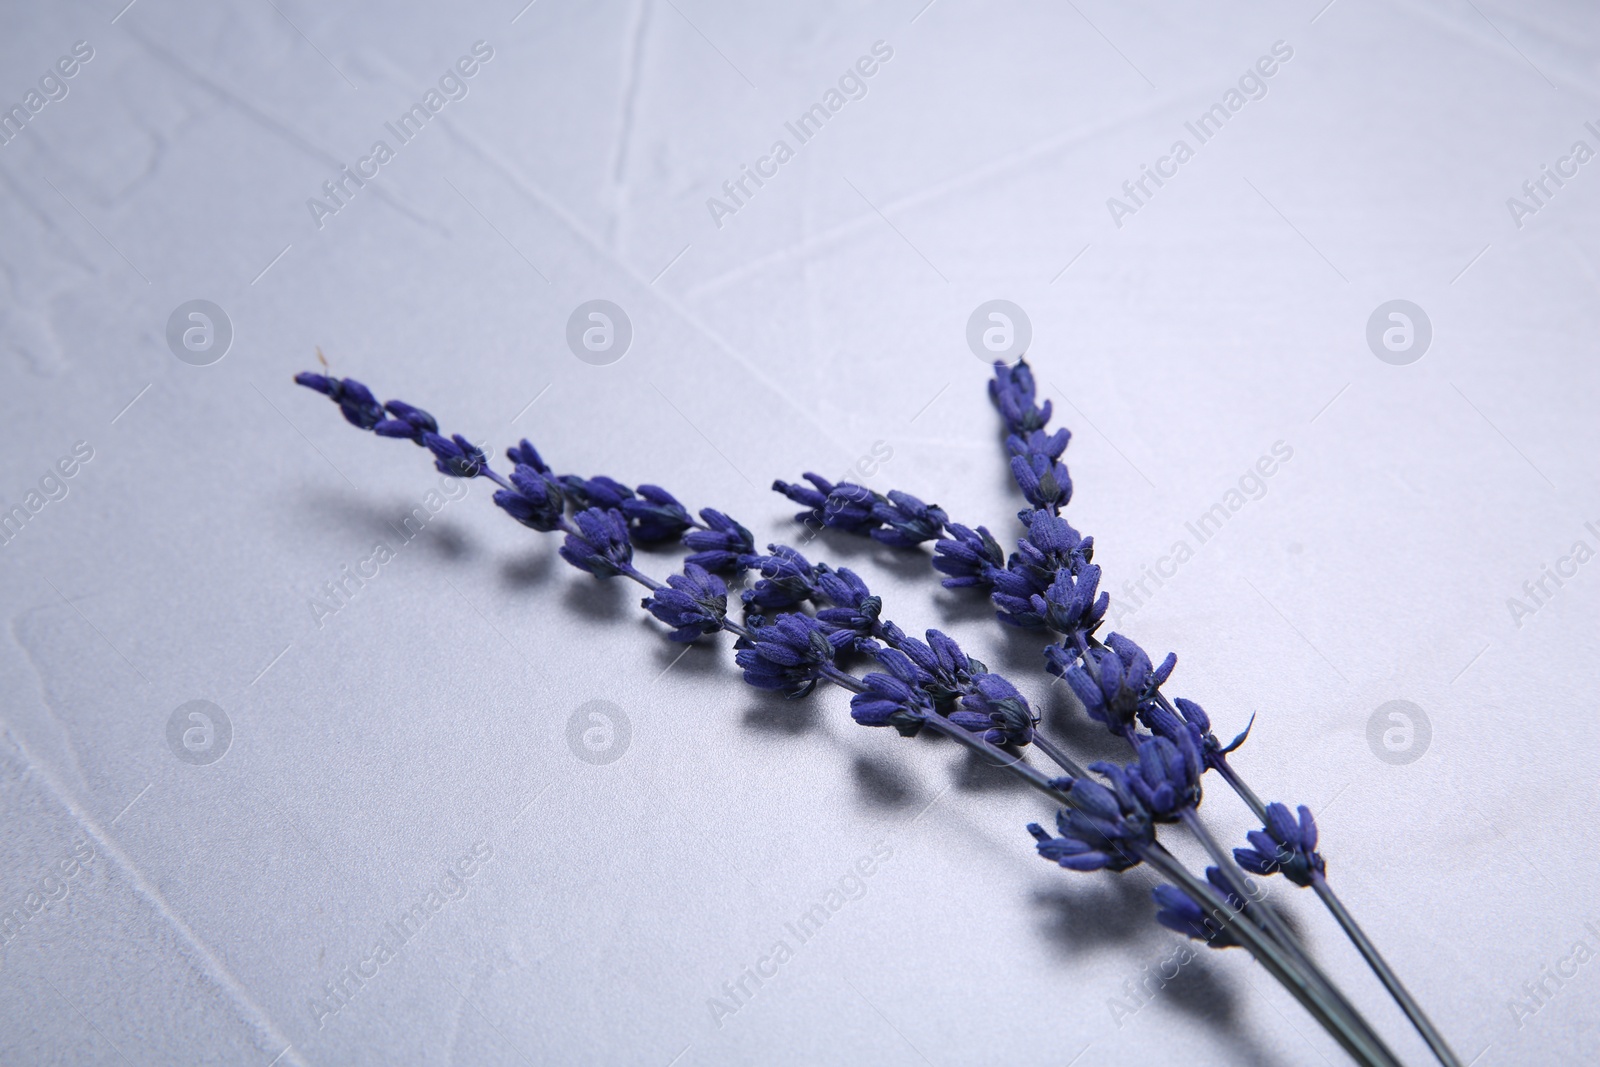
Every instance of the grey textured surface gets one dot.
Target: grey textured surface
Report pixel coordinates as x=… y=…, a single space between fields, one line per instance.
x=429 y=716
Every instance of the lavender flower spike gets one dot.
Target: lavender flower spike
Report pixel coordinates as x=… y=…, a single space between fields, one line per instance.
x=1166 y=776
x=1108 y=828
x=995 y=708
x=694 y=603
x=969 y=557
x=1177 y=911
x=599 y=544
x=536 y=501
x=894 y=699
x=791 y=654
x=355 y=400
x=1285 y=846
x=722 y=546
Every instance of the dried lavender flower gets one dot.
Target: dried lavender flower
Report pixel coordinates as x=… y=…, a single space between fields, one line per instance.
x=694 y=603
x=1285 y=845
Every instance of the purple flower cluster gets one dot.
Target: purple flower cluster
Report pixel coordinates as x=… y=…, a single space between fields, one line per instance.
x=898 y=519
x=1035 y=455
x=1285 y=845
x=805 y=623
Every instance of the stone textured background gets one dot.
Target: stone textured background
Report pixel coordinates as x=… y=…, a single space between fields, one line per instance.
x=372 y=748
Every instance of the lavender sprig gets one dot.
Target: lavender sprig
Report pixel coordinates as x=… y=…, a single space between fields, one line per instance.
x=1052 y=584
x=1049 y=583
x=794 y=652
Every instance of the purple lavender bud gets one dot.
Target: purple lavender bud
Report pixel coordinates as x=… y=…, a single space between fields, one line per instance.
x=1286 y=845
x=600 y=543
x=788 y=654
x=850 y=508
x=994 y=708
x=1012 y=392
x=945 y=672
x=814 y=500
x=1044 y=481
x=1013 y=594
x=1126 y=680
x=724 y=546
x=455 y=455
x=1049 y=444
x=787 y=580
x=894 y=699
x=1166 y=776
x=853 y=608
x=536 y=502
x=406 y=421
x=655 y=515
x=1070 y=604
x=524 y=453
x=694 y=603
x=969 y=557
x=908 y=520
x=1106 y=829
x=598 y=492
x=355 y=400
x=1050 y=545
x=1177 y=911
x=1189 y=718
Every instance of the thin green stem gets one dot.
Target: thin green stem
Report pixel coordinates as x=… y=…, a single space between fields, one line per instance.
x=1337 y=1018
x=1240 y=787
x=1391 y=982
x=1058 y=757
x=842 y=679
x=1268 y=918
x=1332 y=1013
x=1351 y=1033
x=1352 y=929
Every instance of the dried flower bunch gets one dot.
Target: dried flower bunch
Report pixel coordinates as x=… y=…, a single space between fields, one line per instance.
x=1109 y=816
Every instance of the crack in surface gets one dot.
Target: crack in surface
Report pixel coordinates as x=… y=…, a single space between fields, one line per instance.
x=202 y=958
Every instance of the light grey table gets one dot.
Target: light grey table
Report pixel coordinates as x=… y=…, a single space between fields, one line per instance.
x=214 y=889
